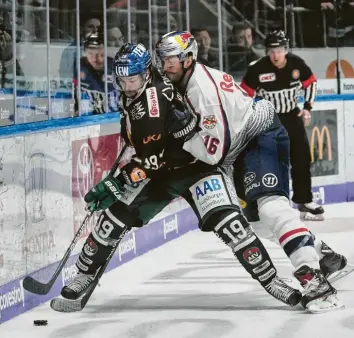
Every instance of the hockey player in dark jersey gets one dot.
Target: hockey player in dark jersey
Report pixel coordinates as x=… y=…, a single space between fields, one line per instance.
x=157 y=123
x=279 y=77
x=235 y=131
x=92 y=81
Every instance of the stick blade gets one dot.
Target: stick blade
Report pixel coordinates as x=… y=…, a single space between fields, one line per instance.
x=32 y=285
x=61 y=304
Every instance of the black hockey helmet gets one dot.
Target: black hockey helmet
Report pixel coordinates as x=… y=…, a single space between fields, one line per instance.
x=94 y=40
x=275 y=39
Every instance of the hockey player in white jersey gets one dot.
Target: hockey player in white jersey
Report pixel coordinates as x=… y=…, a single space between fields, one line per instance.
x=232 y=125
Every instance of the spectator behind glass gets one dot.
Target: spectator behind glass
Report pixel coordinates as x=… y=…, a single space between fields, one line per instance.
x=240 y=50
x=345 y=22
x=203 y=39
x=6 y=75
x=162 y=28
x=115 y=40
x=93 y=79
x=68 y=58
x=115 y=37
x=7 y=58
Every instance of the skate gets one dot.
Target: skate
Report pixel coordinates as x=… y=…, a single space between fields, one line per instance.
x=283 y=292
x=333 y=265
x=311 y=212
x=318 y=295
x=77 y=287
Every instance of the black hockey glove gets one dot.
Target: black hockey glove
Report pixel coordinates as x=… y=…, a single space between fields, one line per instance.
x=182 y=124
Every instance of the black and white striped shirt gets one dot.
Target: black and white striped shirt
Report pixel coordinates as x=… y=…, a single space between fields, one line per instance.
x=282 y=86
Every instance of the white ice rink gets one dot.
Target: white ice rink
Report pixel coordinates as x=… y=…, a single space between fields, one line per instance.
x=193 y=287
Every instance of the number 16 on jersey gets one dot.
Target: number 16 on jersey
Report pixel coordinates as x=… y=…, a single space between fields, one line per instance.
x=211 y=144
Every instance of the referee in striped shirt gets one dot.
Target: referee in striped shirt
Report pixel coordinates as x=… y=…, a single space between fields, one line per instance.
x=278 y=77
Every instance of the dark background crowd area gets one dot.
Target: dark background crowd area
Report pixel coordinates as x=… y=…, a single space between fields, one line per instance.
x=61 y=28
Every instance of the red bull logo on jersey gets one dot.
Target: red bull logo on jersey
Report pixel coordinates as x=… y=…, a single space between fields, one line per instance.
x=183 y=39
x=209 y=122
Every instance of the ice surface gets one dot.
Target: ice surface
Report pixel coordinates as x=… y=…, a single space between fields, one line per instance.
x=193 y=287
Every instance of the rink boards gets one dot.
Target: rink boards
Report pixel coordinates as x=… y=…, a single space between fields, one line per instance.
x=44 y=176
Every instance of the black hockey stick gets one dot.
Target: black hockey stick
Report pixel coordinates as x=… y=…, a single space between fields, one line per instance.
x=61 y=304
x=32 y=285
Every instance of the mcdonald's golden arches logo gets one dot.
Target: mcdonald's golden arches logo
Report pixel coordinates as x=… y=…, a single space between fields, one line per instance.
x=320 y=135
x=346 y=69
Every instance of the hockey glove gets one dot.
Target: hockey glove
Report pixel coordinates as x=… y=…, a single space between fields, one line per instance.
x=105 y=193
x=182 y=124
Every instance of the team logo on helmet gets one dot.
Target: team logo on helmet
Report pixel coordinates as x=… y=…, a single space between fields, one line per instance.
x=209 y=122
x=184 y=39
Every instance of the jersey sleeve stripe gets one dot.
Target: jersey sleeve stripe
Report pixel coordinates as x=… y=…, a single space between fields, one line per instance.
x=310 y=93
x=250 y=91
x=307 y=82
x=227 y=137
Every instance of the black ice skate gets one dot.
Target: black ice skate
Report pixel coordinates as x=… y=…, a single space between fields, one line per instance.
x=311 y=212
x=318 y=295
x=333 y=265
x=283 y=292
x=77 y=287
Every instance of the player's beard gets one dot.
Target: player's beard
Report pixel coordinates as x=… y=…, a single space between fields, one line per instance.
x=175 y=77
x=131 y=93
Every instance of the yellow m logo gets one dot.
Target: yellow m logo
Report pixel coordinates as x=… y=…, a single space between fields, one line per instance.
x=316 y=133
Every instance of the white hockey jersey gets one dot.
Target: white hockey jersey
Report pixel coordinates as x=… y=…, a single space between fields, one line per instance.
x=229 y=117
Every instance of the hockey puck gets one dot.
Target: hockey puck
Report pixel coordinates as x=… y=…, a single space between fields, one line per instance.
x=40 y=322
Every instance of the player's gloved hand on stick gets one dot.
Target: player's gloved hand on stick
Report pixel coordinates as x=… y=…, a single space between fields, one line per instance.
x=105 y=193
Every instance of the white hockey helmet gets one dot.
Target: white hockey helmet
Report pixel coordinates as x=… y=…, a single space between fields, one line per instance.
x=177 y=43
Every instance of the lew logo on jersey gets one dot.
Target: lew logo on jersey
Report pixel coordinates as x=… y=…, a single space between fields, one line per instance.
x=267 y=77
x=153 y=103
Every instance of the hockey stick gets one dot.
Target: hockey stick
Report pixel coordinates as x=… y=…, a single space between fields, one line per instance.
x=61 y=304
x=32 y=285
